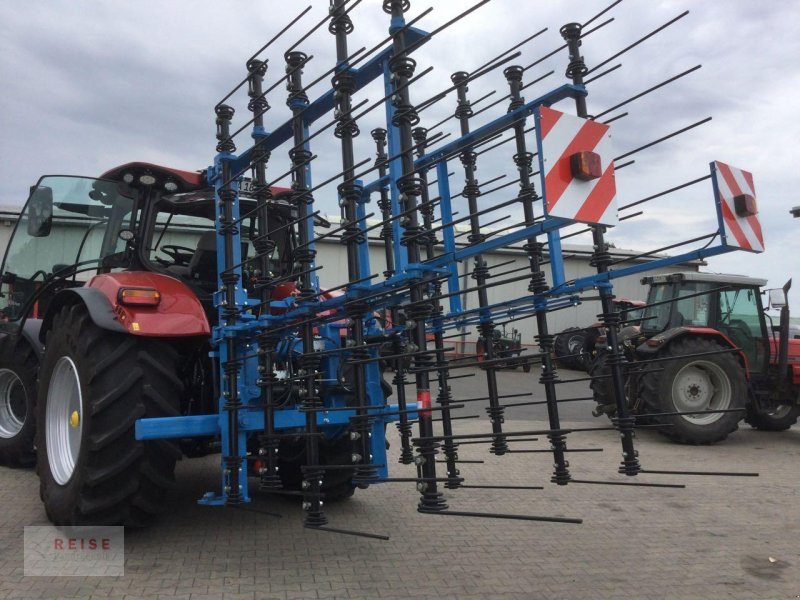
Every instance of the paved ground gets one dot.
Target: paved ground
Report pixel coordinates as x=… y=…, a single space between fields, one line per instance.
x=721 y=537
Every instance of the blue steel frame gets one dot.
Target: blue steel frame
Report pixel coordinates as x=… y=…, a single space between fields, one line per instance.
x=382 y=294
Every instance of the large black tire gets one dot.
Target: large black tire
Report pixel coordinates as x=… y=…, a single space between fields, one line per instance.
x=778 y=419
x=116 y=480
x=567 y=345
x=711 y=382
x=336 y=483
x=18 y=367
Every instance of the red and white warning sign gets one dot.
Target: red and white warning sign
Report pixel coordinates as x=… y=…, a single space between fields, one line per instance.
x=736 y=202
x=576 y=166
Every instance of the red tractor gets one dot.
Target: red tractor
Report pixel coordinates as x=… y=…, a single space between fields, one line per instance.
x=706 y=344
x=105 y=318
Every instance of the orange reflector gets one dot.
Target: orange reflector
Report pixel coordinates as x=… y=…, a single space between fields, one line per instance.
x=745 y=205
x=139 y=296
x=586 y=165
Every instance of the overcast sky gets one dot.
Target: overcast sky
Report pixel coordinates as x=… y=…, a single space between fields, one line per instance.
x=87 y=85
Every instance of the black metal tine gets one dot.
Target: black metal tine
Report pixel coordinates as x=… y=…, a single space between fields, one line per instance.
x=704 y=473
x=603 y=74
x=542 y=402
x=625 y=164
x=427 y=38
x=665 y=192
x=503 y=487
x=631 y=216
x=451 y=377
x=509 y=441
x=637 y=42
x=694 y=355
x=601 y=13
x=324 y=20
x=630 y=483
x=666 y=137
x=457 y=418
x=496 y=102
x=276 y=229
x=662 y=249
x=461 y=513
x=514 y=47
x=374 y=536
x=484 y=398
x=549 y=450
x=505 y=141
x=537 y=80
x=692 y=412
x=648 y=90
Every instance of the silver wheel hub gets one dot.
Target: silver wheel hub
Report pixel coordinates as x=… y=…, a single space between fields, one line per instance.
x=63 y=420
x=13 y=404
x=701 y=385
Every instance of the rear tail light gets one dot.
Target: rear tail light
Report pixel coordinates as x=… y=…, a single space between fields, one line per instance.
x=139 y=296
x=586 y=165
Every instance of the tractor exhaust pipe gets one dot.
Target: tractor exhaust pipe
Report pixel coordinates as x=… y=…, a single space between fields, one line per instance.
x=783 y=339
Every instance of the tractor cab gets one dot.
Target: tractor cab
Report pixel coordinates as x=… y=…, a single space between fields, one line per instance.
x=136 y=217
x=708 y=303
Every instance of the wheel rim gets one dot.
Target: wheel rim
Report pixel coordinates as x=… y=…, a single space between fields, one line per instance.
x=701 y=385
x=13 y=404
x=64 y=420
x=575 y=344
x=779 y=412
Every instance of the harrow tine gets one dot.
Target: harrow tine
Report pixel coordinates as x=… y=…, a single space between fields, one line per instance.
x=637 y=42
x=662 y=139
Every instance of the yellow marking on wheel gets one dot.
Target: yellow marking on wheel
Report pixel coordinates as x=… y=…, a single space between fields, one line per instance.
x=74 y=419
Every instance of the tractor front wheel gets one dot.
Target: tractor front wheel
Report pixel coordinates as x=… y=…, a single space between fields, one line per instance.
x=94 y=385
x=714 y=382
x=779 y=418
x=18 y=366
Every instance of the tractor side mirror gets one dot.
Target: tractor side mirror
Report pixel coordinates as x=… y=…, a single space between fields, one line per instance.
x=40 y=211
x=777 y=298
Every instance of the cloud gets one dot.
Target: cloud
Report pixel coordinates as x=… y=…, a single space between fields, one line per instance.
x=88 y=85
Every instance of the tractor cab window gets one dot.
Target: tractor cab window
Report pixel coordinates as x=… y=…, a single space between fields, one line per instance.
x=67 y=231
x=183 y=241
x=677 y=309
x=740 y=319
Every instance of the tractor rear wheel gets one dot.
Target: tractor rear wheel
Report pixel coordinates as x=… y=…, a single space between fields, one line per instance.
x=94 y=385
x=707 y=383
x=779 y=418
x=18 y=366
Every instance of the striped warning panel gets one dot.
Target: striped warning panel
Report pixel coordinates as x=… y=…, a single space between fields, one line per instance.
x=736 y=202
x=564 y=139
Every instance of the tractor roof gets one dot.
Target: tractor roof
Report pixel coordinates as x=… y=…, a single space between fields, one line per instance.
x=185 y=181
x=722 y=278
